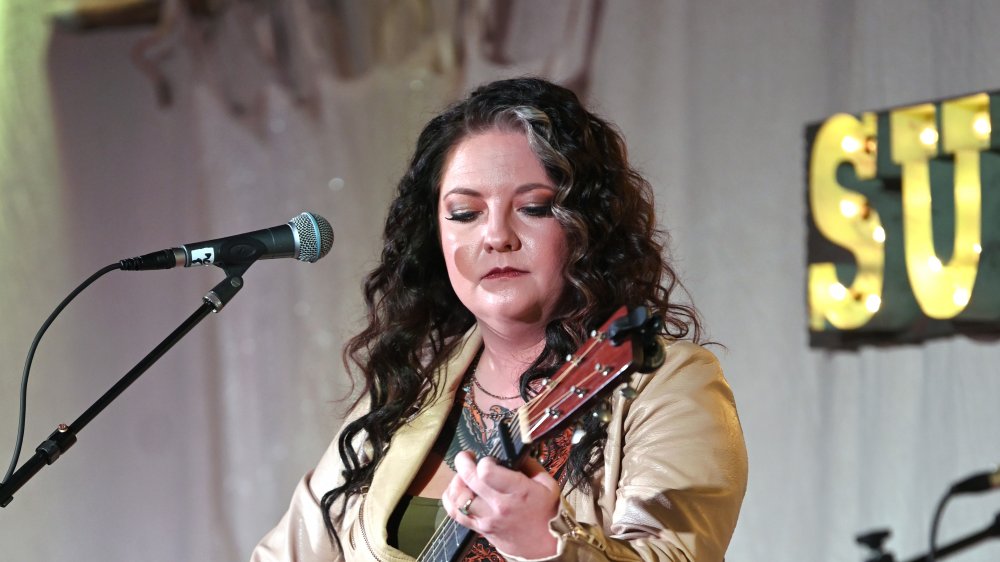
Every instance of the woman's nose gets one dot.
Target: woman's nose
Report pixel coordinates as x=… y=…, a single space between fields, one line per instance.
x=501 y=236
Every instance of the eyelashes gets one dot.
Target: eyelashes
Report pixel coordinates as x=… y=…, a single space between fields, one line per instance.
x=535 y=211
x=462 y=216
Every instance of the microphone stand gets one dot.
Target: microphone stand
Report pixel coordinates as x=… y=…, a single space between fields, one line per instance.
x=65 y=435
x=876 y=539
x=993 y=530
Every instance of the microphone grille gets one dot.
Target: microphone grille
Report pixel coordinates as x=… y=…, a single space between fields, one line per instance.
x=315 y=236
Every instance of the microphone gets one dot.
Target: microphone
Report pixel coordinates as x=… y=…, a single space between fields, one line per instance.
x=307 y=237
x=977 y=483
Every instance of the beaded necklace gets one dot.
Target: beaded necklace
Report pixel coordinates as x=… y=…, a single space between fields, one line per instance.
x=475 y=383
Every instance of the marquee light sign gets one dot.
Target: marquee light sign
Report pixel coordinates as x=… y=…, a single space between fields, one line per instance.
x=904 y=223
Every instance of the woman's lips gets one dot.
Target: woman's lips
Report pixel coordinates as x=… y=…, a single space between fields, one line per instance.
x=504 y=273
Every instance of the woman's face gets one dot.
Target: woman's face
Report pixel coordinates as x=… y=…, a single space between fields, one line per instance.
x=504 y=250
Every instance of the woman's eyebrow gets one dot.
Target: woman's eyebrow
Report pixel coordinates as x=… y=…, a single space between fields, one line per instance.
x=518 y=191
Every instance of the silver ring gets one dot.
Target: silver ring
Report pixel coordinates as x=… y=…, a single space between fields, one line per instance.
x=464 y=510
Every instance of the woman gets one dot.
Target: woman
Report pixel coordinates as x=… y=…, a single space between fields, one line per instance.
x=519 y=227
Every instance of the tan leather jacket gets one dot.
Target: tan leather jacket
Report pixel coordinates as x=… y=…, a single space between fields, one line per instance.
x=671 y=488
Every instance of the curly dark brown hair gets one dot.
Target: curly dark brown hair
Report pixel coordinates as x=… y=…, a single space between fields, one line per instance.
x=415 y=320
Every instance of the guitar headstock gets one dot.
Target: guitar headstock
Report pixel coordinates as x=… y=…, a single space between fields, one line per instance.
x=613 y=351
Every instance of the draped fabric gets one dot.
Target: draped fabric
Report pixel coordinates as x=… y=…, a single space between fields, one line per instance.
x=115 y=143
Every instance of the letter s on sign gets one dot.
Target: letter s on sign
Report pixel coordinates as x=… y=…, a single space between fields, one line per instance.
x=845 y=218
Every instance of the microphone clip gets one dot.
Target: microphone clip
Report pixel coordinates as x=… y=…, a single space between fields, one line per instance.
x=222 y=293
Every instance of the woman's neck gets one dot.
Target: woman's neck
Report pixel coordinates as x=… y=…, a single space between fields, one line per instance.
x=507 y=355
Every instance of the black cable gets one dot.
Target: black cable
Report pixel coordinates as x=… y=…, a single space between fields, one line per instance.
x=935 y=523
x=31 y=354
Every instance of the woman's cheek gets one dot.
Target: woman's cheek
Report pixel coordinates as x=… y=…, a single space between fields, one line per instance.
x=460 y=258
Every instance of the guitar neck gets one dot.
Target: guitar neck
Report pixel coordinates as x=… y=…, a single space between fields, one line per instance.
x=449 y=543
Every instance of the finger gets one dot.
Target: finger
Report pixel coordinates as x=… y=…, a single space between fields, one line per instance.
x=456 y=492
x=464 y=460
x=465 y=465
x=466 y=514
x=465 y=471
x=461 y=503
x=495 y=477
x=466 y=507
x=452 y=505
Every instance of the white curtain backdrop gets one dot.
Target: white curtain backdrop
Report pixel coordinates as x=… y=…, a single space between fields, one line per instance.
x=316 y=106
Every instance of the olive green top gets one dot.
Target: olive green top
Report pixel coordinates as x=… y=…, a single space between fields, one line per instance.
x=413 y=523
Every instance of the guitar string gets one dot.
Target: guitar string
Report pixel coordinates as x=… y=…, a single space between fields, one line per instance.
x=575 y=363
x=542 y=416
x=569 y=396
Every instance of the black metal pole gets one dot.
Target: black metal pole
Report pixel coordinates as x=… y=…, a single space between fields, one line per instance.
x=65 y=435
x=992 y=531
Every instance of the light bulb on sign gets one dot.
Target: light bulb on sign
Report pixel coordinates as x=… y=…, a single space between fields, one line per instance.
x=981 y=125
x=873 y=303
x=838 y=291
x=849 y=208
x=929 y=136
x=850 y=144
x=879 y=234
x=960 y=297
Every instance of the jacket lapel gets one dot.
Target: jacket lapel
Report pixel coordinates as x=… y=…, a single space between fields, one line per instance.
x=411 y=444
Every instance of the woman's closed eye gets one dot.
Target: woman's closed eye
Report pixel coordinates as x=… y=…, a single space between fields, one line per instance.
x=537 y=210
x=462 y=216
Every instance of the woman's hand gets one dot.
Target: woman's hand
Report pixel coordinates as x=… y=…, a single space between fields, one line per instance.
x=512 y=509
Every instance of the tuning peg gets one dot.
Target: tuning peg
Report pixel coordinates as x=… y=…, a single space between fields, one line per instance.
x=578 y=434
x=628 y=392
x=603 y=412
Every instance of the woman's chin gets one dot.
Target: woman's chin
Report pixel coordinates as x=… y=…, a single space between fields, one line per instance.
x=512 y=314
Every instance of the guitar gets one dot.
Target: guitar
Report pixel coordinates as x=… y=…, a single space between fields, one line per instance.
x=627 y=342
